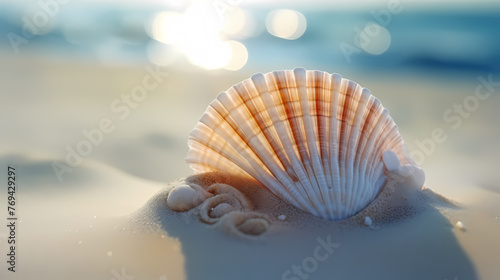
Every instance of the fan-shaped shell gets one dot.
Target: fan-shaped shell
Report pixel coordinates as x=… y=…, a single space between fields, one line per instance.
x=314 y=139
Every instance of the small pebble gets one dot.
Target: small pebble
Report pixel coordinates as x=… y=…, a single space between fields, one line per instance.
x=282 y=217
x=460 y=225
x=368 y=221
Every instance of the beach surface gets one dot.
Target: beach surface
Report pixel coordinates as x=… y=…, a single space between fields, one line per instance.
x=91 y=168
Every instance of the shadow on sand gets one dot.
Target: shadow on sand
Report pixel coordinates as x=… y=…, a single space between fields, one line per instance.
x=421 y=247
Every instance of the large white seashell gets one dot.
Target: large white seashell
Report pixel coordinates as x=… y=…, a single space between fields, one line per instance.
x=314 y=139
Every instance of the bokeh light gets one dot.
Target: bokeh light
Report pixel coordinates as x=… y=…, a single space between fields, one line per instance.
x=286 y=24
x=211 y=55
x=239 y=56
x=234 y=21
x=197 y=33
x=375 y=39
x=165 y=27
x=238 y=23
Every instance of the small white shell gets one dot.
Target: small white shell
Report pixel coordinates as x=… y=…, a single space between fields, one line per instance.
x=314 y=139
x=184 y=197
x=391 y=161
x=368 y=221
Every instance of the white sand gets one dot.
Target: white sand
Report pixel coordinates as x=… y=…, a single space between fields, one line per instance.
x=94 y=224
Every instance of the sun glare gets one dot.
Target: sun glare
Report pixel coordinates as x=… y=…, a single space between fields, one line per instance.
x=164 y=27
x=197 y=34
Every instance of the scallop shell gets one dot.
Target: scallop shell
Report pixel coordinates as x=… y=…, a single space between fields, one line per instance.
x=314 y=139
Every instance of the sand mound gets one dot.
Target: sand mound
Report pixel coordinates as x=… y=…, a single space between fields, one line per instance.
x=241 y=206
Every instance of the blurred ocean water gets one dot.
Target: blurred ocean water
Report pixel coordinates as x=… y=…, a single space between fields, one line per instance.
x=421 y=39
